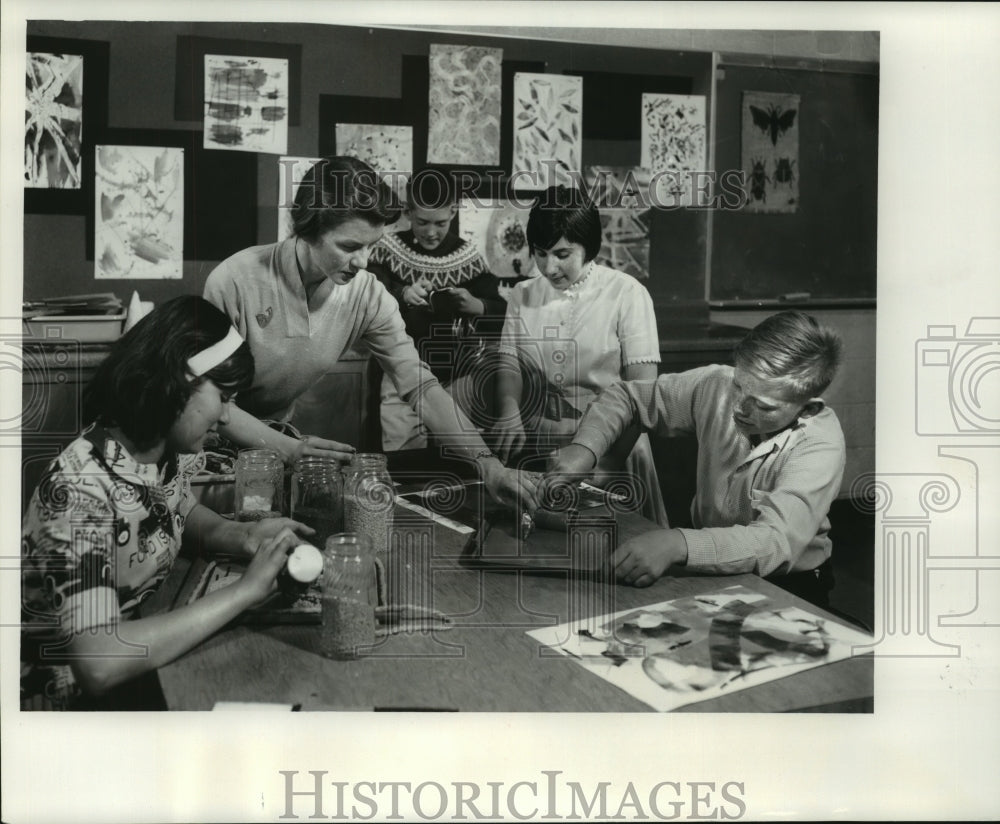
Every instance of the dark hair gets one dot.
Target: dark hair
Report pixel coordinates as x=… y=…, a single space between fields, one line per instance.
x=144 y=384
x=430 y=189
x=564 y=213
x=792 y=346
x=338 y=189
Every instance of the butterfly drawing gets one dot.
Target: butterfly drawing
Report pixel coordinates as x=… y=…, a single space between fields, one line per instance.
x=773 y=121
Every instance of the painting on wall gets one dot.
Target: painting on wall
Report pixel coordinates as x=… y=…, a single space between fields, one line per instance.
x=548 y=109
x=498 y=229
x=770 y=151
x=65 y=115
x=53 y=121
x=464 y=105
x=387 y=149
x=679 y=652
x=622 y=194
x=246 y=103
x=138 y=212
x=673 y=142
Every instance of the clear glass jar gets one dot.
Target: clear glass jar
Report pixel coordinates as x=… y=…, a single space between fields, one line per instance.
x=348 y=614
x=318 y=496
x=369 y=499
x=260 y=484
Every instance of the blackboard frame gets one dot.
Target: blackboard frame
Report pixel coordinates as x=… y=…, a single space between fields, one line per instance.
x=822 y=262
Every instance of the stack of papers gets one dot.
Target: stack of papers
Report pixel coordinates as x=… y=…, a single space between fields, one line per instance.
x=73 y=305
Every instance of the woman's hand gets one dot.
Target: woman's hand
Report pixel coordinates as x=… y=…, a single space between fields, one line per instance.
x=510 y=435
x=261 y=533
x=323 y=448
x=259 y=579
x=415 y=294
x=513 y=487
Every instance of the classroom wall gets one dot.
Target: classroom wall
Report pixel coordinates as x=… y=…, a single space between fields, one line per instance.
x=348 y=61
x=862 y=46
x=141 y=95
x=852 y=393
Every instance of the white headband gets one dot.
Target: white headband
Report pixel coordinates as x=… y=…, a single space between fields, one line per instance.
x=207 y=359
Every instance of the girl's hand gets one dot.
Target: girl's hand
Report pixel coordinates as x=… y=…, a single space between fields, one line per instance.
x=259 y=579
x=514 y=488
x=261 y=533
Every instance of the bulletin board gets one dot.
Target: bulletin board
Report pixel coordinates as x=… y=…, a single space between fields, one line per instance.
x=826 y=247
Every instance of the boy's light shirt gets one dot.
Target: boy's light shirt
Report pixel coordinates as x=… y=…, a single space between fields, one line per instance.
x=759 y=509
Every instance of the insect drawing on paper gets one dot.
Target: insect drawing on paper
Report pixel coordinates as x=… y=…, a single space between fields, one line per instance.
x=759 y=181
x=53 y=121
x=784 y=172
x=774 y=122
x=770 y=150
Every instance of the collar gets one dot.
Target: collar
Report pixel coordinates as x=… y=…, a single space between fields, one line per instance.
x=120 y=462
x=774 y=444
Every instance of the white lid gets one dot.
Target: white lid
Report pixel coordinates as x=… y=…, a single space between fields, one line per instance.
x=305 y=563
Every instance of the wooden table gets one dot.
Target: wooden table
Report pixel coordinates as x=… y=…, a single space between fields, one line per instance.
x=486 y=661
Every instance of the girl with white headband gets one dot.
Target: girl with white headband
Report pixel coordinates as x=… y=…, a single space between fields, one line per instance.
x=106 y=522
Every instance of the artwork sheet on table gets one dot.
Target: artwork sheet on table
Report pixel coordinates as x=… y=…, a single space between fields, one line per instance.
x=692 y=649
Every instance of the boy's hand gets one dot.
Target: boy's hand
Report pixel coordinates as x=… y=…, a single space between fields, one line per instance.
x=415 y=295
x=643 y=559
x=462 y=301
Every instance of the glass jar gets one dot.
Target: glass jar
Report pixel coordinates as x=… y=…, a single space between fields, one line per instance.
x=318 y=496
x=260 y=484
x=348 y=614
x=369 y=499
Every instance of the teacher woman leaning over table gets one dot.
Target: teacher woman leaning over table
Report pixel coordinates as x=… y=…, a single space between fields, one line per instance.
x=104 y=526
x=302 y=302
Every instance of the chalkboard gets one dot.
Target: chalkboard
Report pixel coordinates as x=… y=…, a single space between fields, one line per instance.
x=827 y=247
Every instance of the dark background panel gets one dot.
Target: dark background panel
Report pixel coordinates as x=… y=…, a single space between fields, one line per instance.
x=95 y=119
x=827 y=247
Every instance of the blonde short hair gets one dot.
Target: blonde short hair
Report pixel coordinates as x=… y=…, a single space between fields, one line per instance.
x=793 y=347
